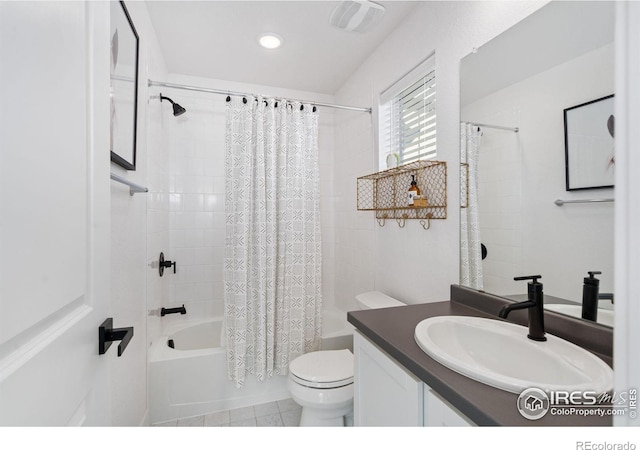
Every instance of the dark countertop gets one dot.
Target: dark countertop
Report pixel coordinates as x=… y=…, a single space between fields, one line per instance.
x=392 y=329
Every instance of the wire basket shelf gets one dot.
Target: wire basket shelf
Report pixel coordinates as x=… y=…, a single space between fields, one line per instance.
x=387 y=193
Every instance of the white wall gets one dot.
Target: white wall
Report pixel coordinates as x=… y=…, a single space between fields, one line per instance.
x=528 y=233
x=130 y=241
x=196 y=187
x=411 y=264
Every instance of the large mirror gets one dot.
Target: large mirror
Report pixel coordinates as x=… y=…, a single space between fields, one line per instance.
x=514 y=181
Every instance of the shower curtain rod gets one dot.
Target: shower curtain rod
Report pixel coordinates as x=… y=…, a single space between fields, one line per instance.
x=514 y=129
x=218 y=91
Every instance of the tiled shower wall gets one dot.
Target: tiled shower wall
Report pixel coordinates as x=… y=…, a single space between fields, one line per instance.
x=196 y=196
x=157 y=211
x=500 y=203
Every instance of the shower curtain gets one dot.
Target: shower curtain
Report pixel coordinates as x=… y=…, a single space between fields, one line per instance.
x=272 y=270
x=470 y=250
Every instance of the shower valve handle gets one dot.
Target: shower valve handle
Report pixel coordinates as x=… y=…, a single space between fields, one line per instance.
x=165 y=263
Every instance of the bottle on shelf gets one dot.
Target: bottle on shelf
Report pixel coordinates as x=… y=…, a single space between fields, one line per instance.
x=413 y=190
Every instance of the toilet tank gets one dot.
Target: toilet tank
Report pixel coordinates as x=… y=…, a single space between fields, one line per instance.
x=375 y=300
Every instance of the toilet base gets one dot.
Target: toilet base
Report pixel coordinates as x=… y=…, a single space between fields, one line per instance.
x=322 y=407
x=312 y=417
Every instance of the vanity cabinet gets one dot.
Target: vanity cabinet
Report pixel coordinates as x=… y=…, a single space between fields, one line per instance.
x=386 y=394
x=439 y=413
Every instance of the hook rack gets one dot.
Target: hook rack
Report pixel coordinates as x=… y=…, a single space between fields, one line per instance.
x=402 y=220
x=386 y=193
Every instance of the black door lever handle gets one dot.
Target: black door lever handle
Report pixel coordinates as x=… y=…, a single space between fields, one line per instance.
x=107 y=334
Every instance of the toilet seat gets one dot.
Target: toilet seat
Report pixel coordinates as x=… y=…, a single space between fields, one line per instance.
x=319 y=385
x=324 y=369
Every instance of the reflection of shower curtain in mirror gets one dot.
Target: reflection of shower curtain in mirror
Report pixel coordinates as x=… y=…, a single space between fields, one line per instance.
x=272 y=270
x=470 y=250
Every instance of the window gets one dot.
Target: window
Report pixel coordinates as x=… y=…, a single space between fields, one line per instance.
x=407 y=117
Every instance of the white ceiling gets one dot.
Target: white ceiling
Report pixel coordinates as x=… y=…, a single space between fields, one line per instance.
x=556 y=33
x=218 y=39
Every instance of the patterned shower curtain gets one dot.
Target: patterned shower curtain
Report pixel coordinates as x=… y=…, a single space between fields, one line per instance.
x=272 y=269
x=470 y=251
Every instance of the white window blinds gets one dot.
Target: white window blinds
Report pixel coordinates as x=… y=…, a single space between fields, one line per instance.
x=407 y=120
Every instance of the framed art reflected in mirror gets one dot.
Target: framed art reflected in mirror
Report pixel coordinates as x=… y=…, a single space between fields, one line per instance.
x=589 y=130
x=124 y=87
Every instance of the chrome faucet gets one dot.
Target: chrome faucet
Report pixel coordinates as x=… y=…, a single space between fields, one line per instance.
x=535 y=306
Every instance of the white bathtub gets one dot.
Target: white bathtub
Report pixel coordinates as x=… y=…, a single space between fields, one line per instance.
x=337 y=333
x=200 y=336
x=191 y=379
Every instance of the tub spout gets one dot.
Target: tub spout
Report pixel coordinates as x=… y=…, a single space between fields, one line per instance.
x=165 y=311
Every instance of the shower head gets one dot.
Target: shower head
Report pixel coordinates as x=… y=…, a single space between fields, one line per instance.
x=177 y=109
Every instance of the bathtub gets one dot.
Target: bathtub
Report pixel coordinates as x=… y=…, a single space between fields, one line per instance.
x=337 y=333
x=190 y=379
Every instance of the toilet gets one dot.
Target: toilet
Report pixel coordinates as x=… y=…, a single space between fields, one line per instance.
x=322 y=381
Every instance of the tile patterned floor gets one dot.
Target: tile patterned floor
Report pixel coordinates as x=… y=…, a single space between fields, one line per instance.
x=283 y=413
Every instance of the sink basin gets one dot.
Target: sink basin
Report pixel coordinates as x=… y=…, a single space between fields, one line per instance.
x=499 y=354
x=605 y=316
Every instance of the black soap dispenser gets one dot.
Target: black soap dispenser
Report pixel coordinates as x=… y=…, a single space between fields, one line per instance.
x=590 y=297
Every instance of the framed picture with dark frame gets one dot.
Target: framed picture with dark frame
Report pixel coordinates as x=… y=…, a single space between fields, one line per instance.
x=124 y=86
x=589 y=130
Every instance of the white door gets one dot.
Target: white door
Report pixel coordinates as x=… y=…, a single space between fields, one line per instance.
x=54 y=212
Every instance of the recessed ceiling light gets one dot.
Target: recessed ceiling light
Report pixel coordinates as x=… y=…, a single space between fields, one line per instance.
x=270 y=40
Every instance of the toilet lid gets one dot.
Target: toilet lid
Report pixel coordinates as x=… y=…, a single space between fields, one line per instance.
x=326 y=367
